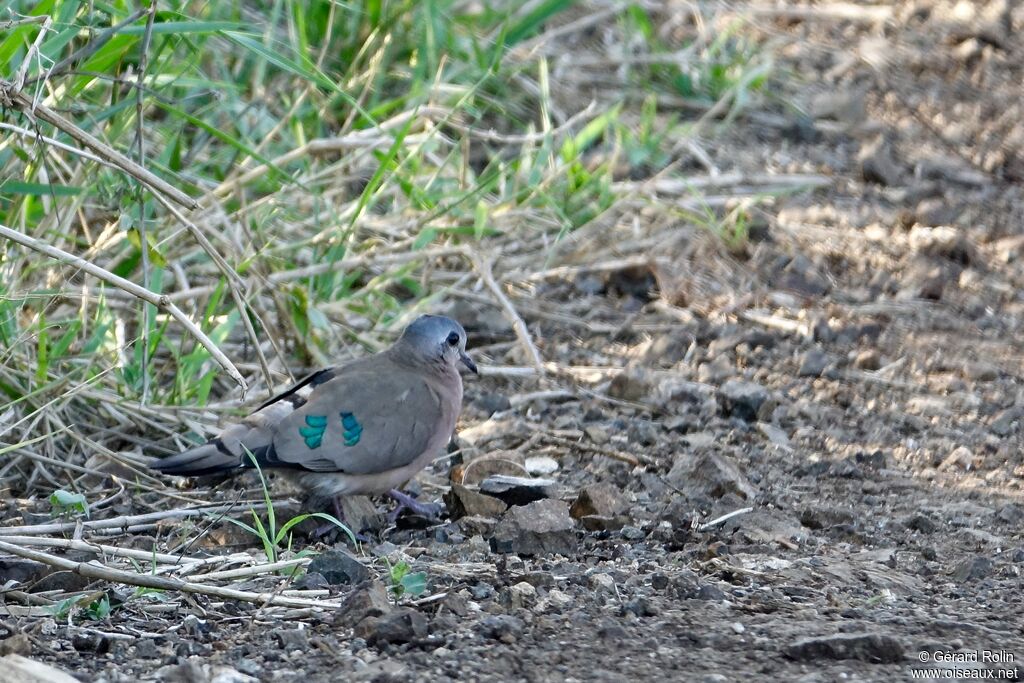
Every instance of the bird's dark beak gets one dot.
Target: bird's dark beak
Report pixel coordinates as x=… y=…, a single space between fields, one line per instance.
x=468 y=362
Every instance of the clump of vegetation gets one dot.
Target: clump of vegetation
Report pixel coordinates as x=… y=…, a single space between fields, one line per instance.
x=233 y=190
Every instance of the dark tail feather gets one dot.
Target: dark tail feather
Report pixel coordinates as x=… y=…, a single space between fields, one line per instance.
x=210 y=458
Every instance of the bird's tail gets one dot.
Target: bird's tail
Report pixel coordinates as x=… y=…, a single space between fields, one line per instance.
x=210 y=458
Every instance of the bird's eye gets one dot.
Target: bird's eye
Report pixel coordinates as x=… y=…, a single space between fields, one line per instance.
x=453 y=339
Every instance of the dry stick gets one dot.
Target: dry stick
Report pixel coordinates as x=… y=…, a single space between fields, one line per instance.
x=143 y=238
x=234 y=282
x=157 y=300
x=483 y=268
x=93 y=46
x=112 y=550
x=124 y=521
x=12 y=23
x=368 y=259
x=18 y=100
x=601 y=450
x=96 y=571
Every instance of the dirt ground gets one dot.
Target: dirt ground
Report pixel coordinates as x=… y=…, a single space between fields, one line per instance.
x=846 y=385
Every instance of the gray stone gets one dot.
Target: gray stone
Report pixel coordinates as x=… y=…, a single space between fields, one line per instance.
x=972 y=569
x=877 y=165
x=517 y=490
x=709 y=474
x=370 y=599
x=543 y=526
x=813 y=364
x=465 y=502
x=598 y=499
x=402 y=625
x=742 y=399
x=868 y=647
x=339 y=567
x=292 y=638
x=503 y=627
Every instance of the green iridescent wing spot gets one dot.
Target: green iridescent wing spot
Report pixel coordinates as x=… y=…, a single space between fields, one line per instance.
x=313 y=434
x=353 y=430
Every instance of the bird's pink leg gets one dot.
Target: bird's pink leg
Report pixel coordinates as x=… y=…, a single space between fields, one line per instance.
x=431 y=511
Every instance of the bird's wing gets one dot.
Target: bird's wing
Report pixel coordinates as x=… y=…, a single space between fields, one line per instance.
x=364 y=421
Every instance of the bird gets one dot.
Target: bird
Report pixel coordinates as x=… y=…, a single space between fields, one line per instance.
x=363 y=428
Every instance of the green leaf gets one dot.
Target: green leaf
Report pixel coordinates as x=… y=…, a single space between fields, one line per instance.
x=64 y=501
x=38 y=189
x=414 y=584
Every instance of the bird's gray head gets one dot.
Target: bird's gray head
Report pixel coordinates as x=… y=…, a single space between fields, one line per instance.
x=435 y=338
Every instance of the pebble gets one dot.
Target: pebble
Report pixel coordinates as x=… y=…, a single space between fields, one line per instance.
x=339 y=567
x=709 y=474
x=402 y=625
x=465 y=502
x=598 y=499
x=813 y=364
x=541 y=527
x=503 y=627
x=742 y=399
x=539 y=465
x=868 y=647
x=517 y=490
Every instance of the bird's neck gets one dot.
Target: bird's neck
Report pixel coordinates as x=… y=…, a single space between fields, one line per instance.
x=431 y=366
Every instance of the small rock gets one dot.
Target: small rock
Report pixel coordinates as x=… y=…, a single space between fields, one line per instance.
x=503 y=627
x=630 y=385
x=596 y=434
x=1010 y=514
x=944 y=242
x=709 y=593
x=517 y=490
x=813 y=364
x=709 y=474
x=598 y=499
x=742 y=399
x=639 y=606
x=491 y=403
x=475 y=525
x=18 y=644
x=868 y=359
x=972 y=569
x=960 y=458
x=921 y=523
x=801 y=277
x=543 y=526
x=610 y=630
x=339 y=567
x=1006 y=422
x=935 y=211
x=521 y=594
x=632 y=533
x=370 y=599
x=877 y=165
x=868 y=647
x=465 y=502
x=601 y=522
x=145 y=648
x=539 y=465
x=980 y=371
x=402 y=625
x=602 y=583
x=292 y=638
x=558 y=599
x=825 y=518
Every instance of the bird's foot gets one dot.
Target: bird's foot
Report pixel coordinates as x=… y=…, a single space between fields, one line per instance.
x=430 y=511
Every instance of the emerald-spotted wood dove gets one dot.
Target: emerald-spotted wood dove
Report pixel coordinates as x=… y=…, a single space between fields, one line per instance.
x=362 y=428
